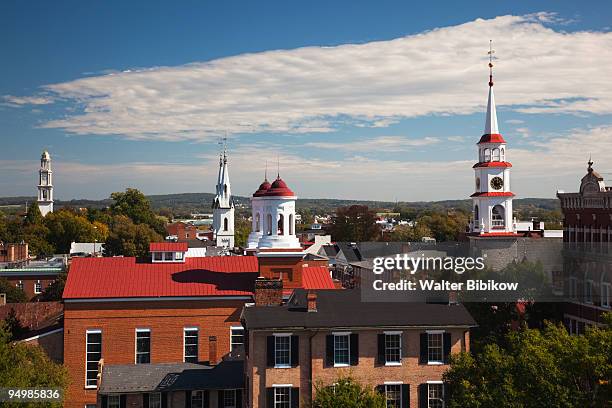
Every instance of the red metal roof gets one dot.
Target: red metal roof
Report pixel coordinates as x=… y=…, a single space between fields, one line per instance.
x=499 y=234
x=98 y=278
x=493 y=194
x=492 y=164
x=263 y=188
x=279 y=189
x=492 y=138
x=168 y=246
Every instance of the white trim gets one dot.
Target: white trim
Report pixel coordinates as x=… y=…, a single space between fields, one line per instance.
x=393 y=364
x=287 y=254
x=192 y=328
x=282 y=334
x=136 y=331
x=435 y=331
x=393 y=383
x=348 y=344
x=160 y=298
x=275 y=335
x=43 y=335
x=87 y=332
x=391 y=333
x=282 y=385
x=435 y=382
x=342 y=333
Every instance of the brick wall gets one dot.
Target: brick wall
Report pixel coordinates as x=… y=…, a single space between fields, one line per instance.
x=28 y=282
x=118 y=321
x=368 y=371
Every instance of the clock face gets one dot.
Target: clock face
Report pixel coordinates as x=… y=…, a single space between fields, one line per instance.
x=497 y=183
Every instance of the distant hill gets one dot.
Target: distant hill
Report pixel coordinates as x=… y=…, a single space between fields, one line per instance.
x=200 y=202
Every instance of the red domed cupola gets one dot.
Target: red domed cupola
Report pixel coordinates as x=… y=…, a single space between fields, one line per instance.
x=279 y=189
x=263 y=189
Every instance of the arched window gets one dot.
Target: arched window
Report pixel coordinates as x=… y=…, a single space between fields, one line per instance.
x=495 y=155
x=487 y=155
x=225 y=188
x=290 y=224
x=498 y=216
x=225 y=224
x=503 y=154
x=257 y=223
x=476 y=216
x=269 y=224
x=281 y=220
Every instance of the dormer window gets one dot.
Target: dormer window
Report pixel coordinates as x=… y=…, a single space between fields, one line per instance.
x=168 y=251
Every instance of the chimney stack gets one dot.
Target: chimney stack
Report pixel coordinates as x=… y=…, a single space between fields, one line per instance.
x=212 y=350
x=268 y=292
x=312 y=302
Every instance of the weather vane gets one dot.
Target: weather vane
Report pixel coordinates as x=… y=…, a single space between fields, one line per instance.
x=491 y=52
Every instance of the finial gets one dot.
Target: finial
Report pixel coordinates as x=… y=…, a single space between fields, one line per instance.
x=491 y=52
x=590 y=163
x=266 y=172
x=225 y=147
x=277 y=167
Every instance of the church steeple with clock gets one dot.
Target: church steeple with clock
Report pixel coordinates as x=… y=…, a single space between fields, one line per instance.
x=492 y=200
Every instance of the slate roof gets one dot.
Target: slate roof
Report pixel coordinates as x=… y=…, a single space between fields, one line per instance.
x=139 y=378
x=351 y=253
x=344 y=309
x=196 y=277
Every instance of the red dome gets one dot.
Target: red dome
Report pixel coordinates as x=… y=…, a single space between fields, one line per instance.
x=263 y=188
x=492 y=138
x=279 y=189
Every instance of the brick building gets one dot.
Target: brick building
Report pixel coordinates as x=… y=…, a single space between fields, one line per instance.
x=173 y=310
x=587 y=253
x=14 y=253
x=182 y=231
x=319 y=336
x=32 y=281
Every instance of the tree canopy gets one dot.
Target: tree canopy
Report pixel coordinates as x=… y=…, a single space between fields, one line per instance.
x=347 y=393
x=355 y=223
x=129 y=239
x=13 y=293
x=135 y=205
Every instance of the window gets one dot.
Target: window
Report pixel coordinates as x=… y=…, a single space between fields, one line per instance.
x=487 y=155
x=236 y=337
x=435 y=395
x=282 y=351
x=93 y=355
x=573 y=287
x=229 y=399
x=498 y=213
x=114 y=401
x=143 y=346
x=342 y=350
x=393 y=395
x=495 y=155
x=290 y=224
x=393 y=348
x=157 y=256
x=19 y=285
x=503 y=154
x=606 y=293
x=225 y=224
x=178 y=256
x=197 y=399
x=37 y=287
x=434 y=348
x=154 y=400
x=282 y=397
x=269 y=224
x=190 y=340
x=280 y=226
x=169 y=256
x=588 y=291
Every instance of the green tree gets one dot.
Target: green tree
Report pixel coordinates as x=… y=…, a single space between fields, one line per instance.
x=13 y=324
x=33 y=216
x=406 y=233
x=36 y=235
x=13 y=294
x=355 y=223
x=445 y=227
x=27 y=366
x=129 y=239
x=242 y=228
x=66 y=226
x=347 y=393
x=53 y=292
x=538 y=368
x=134 y=205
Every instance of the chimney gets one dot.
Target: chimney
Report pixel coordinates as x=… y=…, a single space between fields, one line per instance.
x=212 y=350
x=268 y=292
x=2 y=299
x=312 y=302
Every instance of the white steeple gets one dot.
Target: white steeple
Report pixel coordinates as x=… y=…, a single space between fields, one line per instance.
x=223 y=206
x=491 y=121
x=45 y=184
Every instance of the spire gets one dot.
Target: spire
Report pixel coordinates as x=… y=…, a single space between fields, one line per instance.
x=590 y=163
x=491 y=121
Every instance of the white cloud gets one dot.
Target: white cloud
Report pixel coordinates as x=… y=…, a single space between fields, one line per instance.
x=377 y=144
x=456 y=138
x=514 y=121
x=19 y=101
x=316 y=89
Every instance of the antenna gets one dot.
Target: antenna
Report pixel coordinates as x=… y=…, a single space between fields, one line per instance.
x=491 y=52
x=266 y=171
x=277 y=166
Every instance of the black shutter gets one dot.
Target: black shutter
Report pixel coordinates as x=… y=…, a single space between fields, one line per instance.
x=354 y=349
x=423 y=396
x=295 y=397
x=423 y=357
x=239 y=398
x=269 y=397
x=405 y=395
x=145 y=400
x=104 y=401
x=329 y=350
x=123 y=401
x=246 y=342
x=381 y=349
x=295 y=351
x=447 y=346
x=220 y=396
x=271 y=348
x=164 y=400
x=206 y=399
x=187 y=399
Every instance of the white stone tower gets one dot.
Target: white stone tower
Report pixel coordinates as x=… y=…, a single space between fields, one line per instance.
x=277 y=206
x=492 y=201
x=45 y=184
x=257 y=212
x=223 y=207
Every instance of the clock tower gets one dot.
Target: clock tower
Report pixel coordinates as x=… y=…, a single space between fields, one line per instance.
x=492 y=199
x=45 y=184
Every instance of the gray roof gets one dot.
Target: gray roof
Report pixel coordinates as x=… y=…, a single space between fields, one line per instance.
x=351 y=252
x=344 y=308
x=138 y=378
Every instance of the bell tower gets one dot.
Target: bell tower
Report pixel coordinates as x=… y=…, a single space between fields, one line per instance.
x=223 y=206
x=45 y=184
x=492 y=200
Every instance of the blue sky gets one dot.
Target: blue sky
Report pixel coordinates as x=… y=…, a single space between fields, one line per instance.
x=368 y=100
